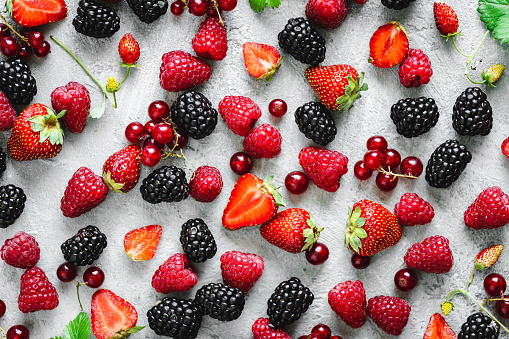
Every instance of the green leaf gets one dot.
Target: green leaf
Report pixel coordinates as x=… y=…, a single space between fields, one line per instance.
x=58 y=338
x=136 y=329
x=257 y=5
x=360 y=222
x=495 y=13
x=79 y=328
x=273 y=3
x=98 y=112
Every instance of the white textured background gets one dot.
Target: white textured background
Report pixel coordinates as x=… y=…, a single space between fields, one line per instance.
x=44 y=181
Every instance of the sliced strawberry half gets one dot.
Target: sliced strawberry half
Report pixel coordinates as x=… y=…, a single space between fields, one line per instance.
x=388 y=46
x=141 y=243
x=30 y=13
x=438 y=328
x=262 y=61
x=252 y=202
x=505 y=147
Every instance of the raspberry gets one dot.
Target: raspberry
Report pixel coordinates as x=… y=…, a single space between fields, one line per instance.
x=180 y=70
x=22 y=251
x=75 y=99
x=262 y=330
x=210 y=41
x=36 y=293
x=324 y=167
x=412 y=210
x=7 y=113
x=206 y=184
x=415 y=70
x=239 y=113
x=263 y=142
x=433 y=255
x=389 y=313
x=175 y=275
x=489 y=210
x=241 y=270
x=348 y=300
x=328 y=14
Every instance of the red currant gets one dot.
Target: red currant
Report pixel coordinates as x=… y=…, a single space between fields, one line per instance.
x=322 y=330
x=336 y=337
x=502 y=307
x=373 y=159
x=9 y=46
x=152 y=143
x=392 y=159
x=2 y=308
x=360 y=262
x=361 y=171
x=4 y=31
x=405 y=279
x=18 y=332
x=303 y=337
x=36 y=39
x=177 y=8
x=377 y=142
x=411 y=166
x=43 y=51
x=93 y=277
x=314 y=336
x=134 y=132
x=24 y=51
x=296 y=182
x=150 y=155
x=197 y=7
x=179 y=140
x=386 y=182
x=241 y=163
x=162 y=133
x=66 y=272
x=212 y=11
x=159 y=110
x=318 y=254
x=277 y=107
x=149 y=126
x=495 y=285
x=227 y=5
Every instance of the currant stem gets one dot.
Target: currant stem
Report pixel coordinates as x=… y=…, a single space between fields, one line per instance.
x=484 y=309
x=380 y=169
x=78 y=292
x=13 y=30
x=1 y=329
x=494 y=299
x=216 y=7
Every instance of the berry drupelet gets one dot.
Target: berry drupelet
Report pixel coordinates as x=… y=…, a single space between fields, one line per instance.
x=148 y=11
x=193 y=113
x=316 y=122
x=447 y=163
x=197 y=241
x=175 y=318
x=17 y=82
x=95 y=20
x=479 y=326
x=220 y=301
x=12 y=204
x=85 y=247
x=414 y=117
x=472 y=113
x=302 y=41
x=397 y=4
x=167 y=183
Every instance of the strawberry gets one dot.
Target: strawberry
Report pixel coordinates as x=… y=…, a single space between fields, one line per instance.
x=252 y=202
x=493 y=74
x=371 y=228
x=112 y=316
x=348 y=300
x=241 y=270
x=328 y=14
x=181 y=70
x=261 y=61
x=239 y=113
x=488 y=257
x=210 y=41
x=36 y=134
x=432 y=255
x=446 y=20
x=505 y=147
x=293 y=230
x=438 y=328
x=337 y=86
x=388 y=46
x=121 y=171
x=74 y=98
x=141 y=244
x=30 y=13
x=129 y=49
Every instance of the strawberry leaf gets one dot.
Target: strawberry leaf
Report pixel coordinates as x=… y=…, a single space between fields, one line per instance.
x=259 y=5
x=495 y=13
x=98 y=112
x=78 y=328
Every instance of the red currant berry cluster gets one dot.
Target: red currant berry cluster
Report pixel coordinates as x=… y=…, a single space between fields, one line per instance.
x=202 y=7
x=495 y=285
x=93 y=276
x=31 y=42
x=320 y=331
x=16 y=331
x=386 y=161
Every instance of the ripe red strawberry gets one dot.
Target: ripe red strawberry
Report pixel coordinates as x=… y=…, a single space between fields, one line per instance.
x=412 y=210
x=239 y=113
x=324 y=167
x=445 y=19
x=293 y=230
x=129 y=49
x=36 y=134
x=263 y=142
x=389 y=313
x=112 y=316
x=262 y=330
x=141 y=244
x=438 y=328
x=415 y=70
x=261 y=61
x=84 y=191
x=36 y=292
x=505 y=147
x=175 y=275
x=488 y=257
x=21 y=251
x=121 y=171
x=210 y=41
x=252 y=202
x=433 y=255
x=241 y=270
x=30 y=13
x=371 y=228
x=74 y=98
x=206 y=184
x=180 y=70
x=489 y=210
x=337 y=86
x=7 y=113
x=389 y=45
x=328 y=14
x=348 y=300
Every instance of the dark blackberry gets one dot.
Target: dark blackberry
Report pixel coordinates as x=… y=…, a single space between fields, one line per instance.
x=85 y=247
x=175 y=318
x=193 y=113
x=17 y=82
x=95 y=20
x=197 y=240
x=3 y=164
x=472 y=113
x=148 y=10
x=414 y=117
x=316 y=122
x=447 y=163
x=220 y=301
x=479 y=326
x=288 y=302
x=302 y=41
x=12 y=200
x=397 y=4
x=167 y=183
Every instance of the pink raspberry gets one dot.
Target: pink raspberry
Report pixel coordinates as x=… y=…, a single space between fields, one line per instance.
x=21 y=251
x=180 y=71
x=263 y=142
x=411 y=210
x=489 y=210
x=7 y=113
x=324 y=167
x=75 y=99
x=175 y=275
x=206 y=184
x=261 y=330
x=241 y=270
x=239 y=113
x=348 y=300
x=36 y=293
x=433 y=255
x=210 y=41
x=389 y=313
x=415 y=70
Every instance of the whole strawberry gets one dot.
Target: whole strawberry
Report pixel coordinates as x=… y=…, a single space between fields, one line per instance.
x=239 y=113
x=337 y=86
x=328 y=14
x=263 y=142
x=389 y=313
x=36 y=134
x=175 y=275
x=21 y=251
x=36 y=292
x=412 y=210
x=489 y=210
x=128 y=49
x=241 y=270
x=121 y=171
x=348 y=300
x=433 y=255
x=293 y=230
x=206 y=184
x=324 y=167
x=7 y=113
x=180 y=70
x=371 y=228
x=446 y=20
x=488 y=257
x=74 y=98
x=210 y=41
x=262 y=330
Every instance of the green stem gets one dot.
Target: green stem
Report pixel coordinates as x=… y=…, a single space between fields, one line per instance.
x=115 y=98
x=471 y=58
x=456 y=46
x=78 y=292
x=5 y=335
x=470 y=278
x=485 y=310
x=126 y=75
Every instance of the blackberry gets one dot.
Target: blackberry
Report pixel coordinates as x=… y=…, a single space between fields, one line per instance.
x=397 y=4
x=167 y=183
x=302 y=41
x=447 y=163
x=193 y=113
x=472 y=113
x=148 y=10
x=197 y=240
x=288 y=302
x=95 y=20
x=176 y=318
x=316 y=122
x=414 y=117
x=220 y=301
x=12 y=200
x=84 y=247
x=17 y=82
x=479 y=326
x=3 y=165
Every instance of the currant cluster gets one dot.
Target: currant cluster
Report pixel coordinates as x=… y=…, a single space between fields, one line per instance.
x=93 y=276
x=33 y=42
x=495 y=285
x=16 y=331
x=386 y=161
x=202 y=7
x=320 y=331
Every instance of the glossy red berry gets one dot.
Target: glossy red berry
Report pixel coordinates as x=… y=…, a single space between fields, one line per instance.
x=314 y=336
x=179 y=140
x=278 y=107
x=386 y=182
x=411 y=166
x=2 y=308
x=66 y=272
x=159 y=110
x=376 y=142
x=197 y=7
x=392 y=159
x=241 y=163
x=502 y=307
x=336 y=337
x=9 y=46
x=153 y=143
x=211 y=10
x=24 y=51
x=177 y=8
x=296 y=182
x=135 y=132
x=322 y=330
x=361 y=172
x=93 y=277
x=18 y=332
x=150 y=155
x=495 y=284
x=36 y=39
x=43 y=51
x=405 y=279
x=360 y=262
x=373 y=159
x=149 y=126
x=303 y=337
x=318 y=254
x=162 y=133
x=227 y=5
x=4 y=31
